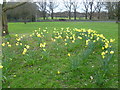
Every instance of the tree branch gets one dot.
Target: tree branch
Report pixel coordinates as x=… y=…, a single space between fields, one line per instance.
x=13 y=6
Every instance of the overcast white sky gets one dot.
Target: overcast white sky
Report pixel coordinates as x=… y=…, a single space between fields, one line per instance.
x=61 y=0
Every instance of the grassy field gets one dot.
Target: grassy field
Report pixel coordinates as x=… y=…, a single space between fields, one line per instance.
x=39 y=68
x=101 y=27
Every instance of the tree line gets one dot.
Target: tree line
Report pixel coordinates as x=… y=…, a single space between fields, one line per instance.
x=45 y=8
x=31 y=10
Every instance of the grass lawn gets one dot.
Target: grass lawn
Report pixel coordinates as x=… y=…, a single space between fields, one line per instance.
x=109 y=29
x=39 y=68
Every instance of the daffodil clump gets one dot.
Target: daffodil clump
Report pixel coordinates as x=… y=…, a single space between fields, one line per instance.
x=66 y=36
x=88 y=35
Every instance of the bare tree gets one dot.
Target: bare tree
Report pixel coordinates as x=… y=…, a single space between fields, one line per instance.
x=116 y=11
x=92 y=7
x=5 y=8
x=42 y=6
x=75 y=6
x=98 y=8
x=110 y=7
x=86 y=7
x=52 y=5
x=68 y=6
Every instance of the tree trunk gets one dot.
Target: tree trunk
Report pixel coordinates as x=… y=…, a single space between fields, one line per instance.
x=91 y=11
x=98 y=15
x=4 y=21
x=74 y=14
x=69 y=15
x=86 y=15
x=52 y=15
x=4 y=24
x=90 y=17
x=110 y=16
x=91 y=14
x=44 y=15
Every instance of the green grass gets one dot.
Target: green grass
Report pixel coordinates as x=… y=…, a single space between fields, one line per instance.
x=101 y=27
x=38 y=69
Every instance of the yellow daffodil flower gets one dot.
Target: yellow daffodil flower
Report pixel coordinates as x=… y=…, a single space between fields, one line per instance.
x=1 y=66
x=17 y=44
x=24 y=51
x=3 y=44
x=21 y=44
x=112 y=40
x=65 y=43
x=38 y=35
x=69 y=54
x=103 y=48
x=103 y=57
x=9 y=45
x=111 y=52
x=73 y=41
x=79 y=37
x=103 y=53
x=58 y=72
x=27 y=46
x=18 y=39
